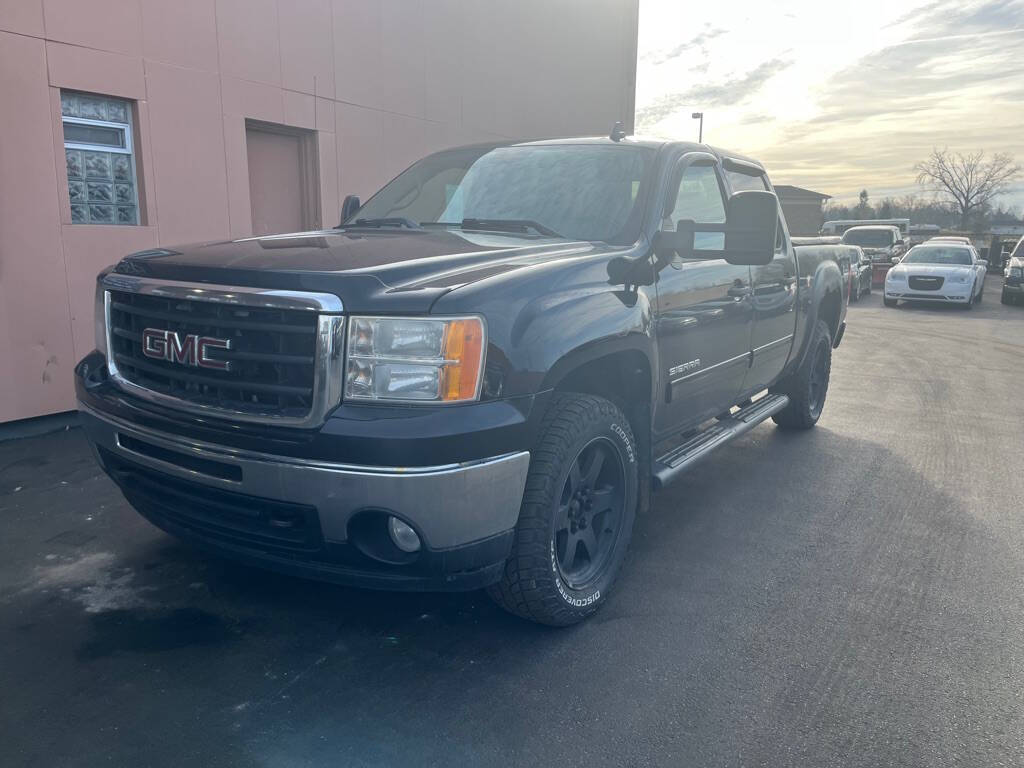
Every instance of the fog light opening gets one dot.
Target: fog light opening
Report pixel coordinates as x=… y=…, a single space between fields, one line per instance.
x=403 y=536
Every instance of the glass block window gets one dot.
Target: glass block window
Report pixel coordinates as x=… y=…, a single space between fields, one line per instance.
x=99 y=158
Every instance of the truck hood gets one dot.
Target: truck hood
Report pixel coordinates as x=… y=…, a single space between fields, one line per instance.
x=369 y=270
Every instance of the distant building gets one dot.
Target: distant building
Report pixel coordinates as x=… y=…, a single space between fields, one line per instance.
x=804 y=209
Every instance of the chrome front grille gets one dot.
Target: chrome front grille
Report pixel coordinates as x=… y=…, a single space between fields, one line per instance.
x=277 y=356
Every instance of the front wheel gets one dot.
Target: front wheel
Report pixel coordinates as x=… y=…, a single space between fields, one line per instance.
x=577 y=514
x=1003 y=298
x=890 y=302
x=808 y=385
x=867 y=289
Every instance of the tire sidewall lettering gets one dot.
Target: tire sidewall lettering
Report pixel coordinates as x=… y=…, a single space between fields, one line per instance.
x=591 y=596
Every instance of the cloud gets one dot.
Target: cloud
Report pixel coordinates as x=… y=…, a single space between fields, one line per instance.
x=728 y=93
x=701 y=40
x=957 y=81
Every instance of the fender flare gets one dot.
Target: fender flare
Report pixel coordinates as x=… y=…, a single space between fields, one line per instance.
x=826 y=279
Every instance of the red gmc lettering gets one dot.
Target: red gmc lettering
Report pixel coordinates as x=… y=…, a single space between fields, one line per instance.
x=187 y=349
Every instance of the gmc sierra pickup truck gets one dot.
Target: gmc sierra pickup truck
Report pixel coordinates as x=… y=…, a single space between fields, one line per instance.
x=476 y=380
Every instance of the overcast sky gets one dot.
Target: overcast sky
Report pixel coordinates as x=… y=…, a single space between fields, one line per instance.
x=833 y=96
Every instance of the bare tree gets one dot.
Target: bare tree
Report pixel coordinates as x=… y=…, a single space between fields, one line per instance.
x=967 y=182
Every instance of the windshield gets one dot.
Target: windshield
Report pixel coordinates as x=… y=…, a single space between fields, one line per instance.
x=582 y=192
x=938 y=255
x=870 y=238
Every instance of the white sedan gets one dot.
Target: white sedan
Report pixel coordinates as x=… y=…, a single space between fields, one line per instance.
x=937 y=271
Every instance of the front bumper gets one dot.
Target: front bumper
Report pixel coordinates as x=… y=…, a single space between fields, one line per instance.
x=308 y=517
x=945 y=295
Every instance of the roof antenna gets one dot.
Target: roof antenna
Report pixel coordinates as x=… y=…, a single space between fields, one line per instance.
x=618 y=132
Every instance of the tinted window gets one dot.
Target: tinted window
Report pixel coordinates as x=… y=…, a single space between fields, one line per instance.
x=699 y=198
x=739 y=182
x=869 y=238
x=937 y=254
x=583 y=192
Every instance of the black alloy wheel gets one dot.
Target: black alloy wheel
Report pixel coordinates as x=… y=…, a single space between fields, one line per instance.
x=590 y=513
x=817 y=382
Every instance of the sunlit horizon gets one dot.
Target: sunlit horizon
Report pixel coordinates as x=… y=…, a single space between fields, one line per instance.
x=837 y=98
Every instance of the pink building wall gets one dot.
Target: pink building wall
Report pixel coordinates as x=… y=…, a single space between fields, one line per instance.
x=381 y=83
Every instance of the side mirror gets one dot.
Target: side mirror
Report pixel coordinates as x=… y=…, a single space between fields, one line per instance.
x=752 y=221
x=895 y=259
x=983 y=262
x=348 y=208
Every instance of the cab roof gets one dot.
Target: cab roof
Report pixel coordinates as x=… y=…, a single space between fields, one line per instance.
x=636 y=141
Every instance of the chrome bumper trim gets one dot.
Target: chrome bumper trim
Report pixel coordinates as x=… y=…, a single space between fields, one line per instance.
x=450 y=504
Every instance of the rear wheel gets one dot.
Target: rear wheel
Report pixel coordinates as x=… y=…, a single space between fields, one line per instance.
x=808 y=385
x=577 y=514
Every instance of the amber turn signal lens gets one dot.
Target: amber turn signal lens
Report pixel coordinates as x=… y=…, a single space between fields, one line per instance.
x=464 y=353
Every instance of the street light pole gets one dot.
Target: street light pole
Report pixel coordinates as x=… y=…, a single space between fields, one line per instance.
x=700 y=134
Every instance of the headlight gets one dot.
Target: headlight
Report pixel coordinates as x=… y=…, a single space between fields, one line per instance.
x=414 y=359
x=895 y=276
x=1016 y=272
x=959 y=278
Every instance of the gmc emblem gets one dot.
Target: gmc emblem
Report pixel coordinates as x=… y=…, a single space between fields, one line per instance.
x=189 y=349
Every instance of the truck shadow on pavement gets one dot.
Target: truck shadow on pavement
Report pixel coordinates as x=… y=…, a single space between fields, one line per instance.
x=772 y=587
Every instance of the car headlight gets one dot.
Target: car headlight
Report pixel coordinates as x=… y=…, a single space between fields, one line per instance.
x=895 y=276
x=959 y=278
x=1016 y=272
x=437 y=360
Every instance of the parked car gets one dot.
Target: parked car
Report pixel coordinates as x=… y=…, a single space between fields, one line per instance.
x=949 y=239
x=860 y=273
x=1000 y=248
x=937 y=271
x=1013 y=276
x=880 y=243
x=476 y=380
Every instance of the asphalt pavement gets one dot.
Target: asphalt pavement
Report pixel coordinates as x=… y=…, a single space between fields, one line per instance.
x=848 y=596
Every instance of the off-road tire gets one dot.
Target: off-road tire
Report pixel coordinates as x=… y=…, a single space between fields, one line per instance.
x=532 y=585
x=805 y=388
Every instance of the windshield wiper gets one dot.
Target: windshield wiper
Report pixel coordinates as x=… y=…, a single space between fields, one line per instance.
x=509 y=225
x=391 y=221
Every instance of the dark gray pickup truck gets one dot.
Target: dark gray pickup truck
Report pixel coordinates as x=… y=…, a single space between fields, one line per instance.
x=475 y=380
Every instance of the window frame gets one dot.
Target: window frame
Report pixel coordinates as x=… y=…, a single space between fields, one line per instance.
x=125 y=128
x=683 y=164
